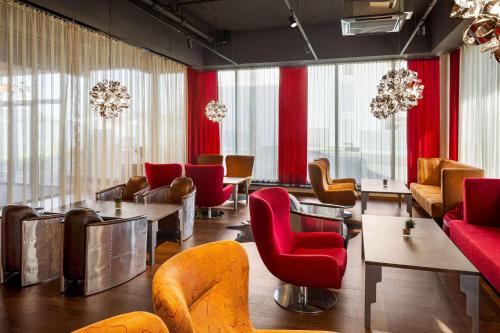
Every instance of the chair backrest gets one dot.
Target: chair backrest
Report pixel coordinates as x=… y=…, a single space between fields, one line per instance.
x=12 y=217
x=74 y=241
x=239 y=165
x=209 y=159
x=270 y=221
x=326 y=163
x=317 y=177
x=204 y=289
x=162 y=174
x=179 y=188
x=208 y=180
x=482 y=201
x=133 y=185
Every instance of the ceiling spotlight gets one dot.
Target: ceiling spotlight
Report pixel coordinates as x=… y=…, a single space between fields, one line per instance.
x=291 y=18
x=190 y=43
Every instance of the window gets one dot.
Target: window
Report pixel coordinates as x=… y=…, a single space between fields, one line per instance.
x=479 y=116
x=341 y=127
x=251 y=124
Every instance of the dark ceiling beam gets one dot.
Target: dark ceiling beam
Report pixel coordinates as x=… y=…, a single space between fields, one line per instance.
x=302 y=31
x=177 y=28
x=419 y=25
x=158 y=9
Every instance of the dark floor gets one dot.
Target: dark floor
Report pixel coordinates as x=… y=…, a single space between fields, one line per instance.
x=408 y=301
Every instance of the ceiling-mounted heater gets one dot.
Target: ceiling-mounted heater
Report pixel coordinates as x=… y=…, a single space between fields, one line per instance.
x=373 y=17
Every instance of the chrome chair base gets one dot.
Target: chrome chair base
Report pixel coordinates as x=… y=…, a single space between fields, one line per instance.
x=209 y=213
x=347 y=214
x=304 y=299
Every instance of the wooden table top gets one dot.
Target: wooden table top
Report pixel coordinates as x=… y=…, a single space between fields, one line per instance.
x=376 y=186
x=154 y=212
x=235 y=180
x=428 y=248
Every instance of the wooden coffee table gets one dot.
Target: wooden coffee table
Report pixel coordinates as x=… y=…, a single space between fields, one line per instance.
x=393 y=187
x=428 y=249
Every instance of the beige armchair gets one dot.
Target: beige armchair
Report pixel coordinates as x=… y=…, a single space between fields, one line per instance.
x=439 y=186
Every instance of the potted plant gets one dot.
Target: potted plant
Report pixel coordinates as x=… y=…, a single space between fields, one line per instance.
x=118 y=203
x=409 y=224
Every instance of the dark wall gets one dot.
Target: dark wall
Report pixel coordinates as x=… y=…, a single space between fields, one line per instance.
x=130 y=24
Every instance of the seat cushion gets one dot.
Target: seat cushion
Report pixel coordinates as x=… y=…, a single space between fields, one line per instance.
x=341 y=186
x=429 y=197
x=481 y=245
x=338 y=254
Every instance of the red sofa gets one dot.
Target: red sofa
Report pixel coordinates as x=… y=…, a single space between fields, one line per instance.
x=477 y=232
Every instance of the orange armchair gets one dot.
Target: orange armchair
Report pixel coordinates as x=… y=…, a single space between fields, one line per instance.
x=133 y=322
x=325 y=164
x=340 y=192
x=205 y=289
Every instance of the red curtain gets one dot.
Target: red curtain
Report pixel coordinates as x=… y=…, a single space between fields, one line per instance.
x=203 y=135
x=454 y=103
x=423 y=126
x=292 y=146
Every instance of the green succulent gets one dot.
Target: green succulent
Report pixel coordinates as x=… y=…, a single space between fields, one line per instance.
x=410 y=223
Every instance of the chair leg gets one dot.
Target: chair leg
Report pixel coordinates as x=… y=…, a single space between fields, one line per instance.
x=304 y=299
x=209 y=213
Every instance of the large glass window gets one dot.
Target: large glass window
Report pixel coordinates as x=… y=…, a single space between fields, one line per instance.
x=251 y=124
x=341 y=127
x=54 y=148
x=479 y=116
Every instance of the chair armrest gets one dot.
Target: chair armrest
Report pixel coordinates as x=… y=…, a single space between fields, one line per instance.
x=322 y=209
x=116 y=221
x=452 y=185
x=139 y=196
x=346 y=198
x=156 y=195
x=343 y=181
x=305 y=222
x=47 y=216
x=318 y=240
x=132 y=322
x=110 y=193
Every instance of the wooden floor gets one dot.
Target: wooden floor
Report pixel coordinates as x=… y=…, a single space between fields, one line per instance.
x=407 y=301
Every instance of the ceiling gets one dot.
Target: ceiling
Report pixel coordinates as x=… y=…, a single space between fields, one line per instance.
x=250 y=15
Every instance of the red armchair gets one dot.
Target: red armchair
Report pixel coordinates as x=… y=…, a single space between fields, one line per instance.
x=211 y=192
x=309 y=261
x=477 y=232
x=159 y=175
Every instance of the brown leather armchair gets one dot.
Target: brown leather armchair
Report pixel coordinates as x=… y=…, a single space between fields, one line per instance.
x=135 y=185
x=209 y=159
x=31 y=244
x=240 y=166
x=338 y=193
x=181 y=192
x=102 y=253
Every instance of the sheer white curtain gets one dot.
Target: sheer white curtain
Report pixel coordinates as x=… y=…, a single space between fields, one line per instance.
x=341 y=127
x=54 y=148
x=251 y=125
x=479 y=116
